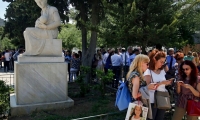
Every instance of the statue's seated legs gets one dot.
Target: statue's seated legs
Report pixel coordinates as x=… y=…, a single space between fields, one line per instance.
x=50 y=48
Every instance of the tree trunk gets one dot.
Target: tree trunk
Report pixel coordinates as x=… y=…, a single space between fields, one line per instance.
x=83 y=14
x=87 y=58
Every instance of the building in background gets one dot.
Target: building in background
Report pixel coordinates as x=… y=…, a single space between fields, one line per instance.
x=196 y=46
x=2 y=23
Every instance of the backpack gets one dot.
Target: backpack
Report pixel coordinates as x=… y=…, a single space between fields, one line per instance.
x=123 y=96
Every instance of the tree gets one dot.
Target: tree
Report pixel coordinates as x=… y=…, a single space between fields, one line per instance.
x=5 y=43
x=146 y=23
x=21 y=14
x=90 y=12
x=71 y=36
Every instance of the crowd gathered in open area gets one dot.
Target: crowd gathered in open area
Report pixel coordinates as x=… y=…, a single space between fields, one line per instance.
x=159 y=71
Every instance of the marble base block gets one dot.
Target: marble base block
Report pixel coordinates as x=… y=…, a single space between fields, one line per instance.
x=39 y=59
x=40 y=82
x=40 y=86
x=17 y=110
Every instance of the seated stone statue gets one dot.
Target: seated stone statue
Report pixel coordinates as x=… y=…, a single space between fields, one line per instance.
x=46 y=28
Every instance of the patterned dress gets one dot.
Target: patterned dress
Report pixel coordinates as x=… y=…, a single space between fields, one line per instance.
x=185 y=95
x=133 y=75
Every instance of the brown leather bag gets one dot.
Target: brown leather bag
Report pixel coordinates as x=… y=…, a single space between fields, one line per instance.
x=162 y=100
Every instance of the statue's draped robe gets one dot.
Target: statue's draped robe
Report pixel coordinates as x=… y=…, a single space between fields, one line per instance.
x=35 y=38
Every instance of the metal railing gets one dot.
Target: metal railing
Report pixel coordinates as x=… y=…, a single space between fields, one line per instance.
x=102 y=116
x=8 y=78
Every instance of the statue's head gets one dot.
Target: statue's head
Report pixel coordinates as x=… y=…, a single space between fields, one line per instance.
x=41 y=3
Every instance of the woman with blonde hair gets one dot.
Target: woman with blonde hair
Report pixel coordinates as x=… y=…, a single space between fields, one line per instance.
x=135 y=75
x=196 y=58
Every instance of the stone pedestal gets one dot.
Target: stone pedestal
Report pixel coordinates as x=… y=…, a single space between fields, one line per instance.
x=39 y=59
x=40 y=86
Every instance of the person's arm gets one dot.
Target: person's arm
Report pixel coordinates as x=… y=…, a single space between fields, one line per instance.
x=193 y=90
x=150 y=86
x=166 y=82
x=135 y=88
x=166 y=68
x=178 y=90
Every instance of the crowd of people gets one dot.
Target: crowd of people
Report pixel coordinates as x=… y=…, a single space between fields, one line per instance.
x=138 y=69
x=7 y=58
x=152 y=69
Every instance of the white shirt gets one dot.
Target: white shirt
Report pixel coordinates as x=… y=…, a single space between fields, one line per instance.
x=105 y=56
x=116 y=60
x=156 y=79
x=7 y=56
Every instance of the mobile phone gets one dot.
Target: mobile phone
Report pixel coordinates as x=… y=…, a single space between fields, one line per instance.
x=165 y=64
x=155 y=86
x=172 y=78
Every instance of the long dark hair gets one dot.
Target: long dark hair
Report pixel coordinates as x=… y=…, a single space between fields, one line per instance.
x=193 y=74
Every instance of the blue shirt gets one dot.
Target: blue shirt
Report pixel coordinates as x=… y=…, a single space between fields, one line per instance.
x=116 y=60
x=169 y=60
x=67 y=58
x=131 y=58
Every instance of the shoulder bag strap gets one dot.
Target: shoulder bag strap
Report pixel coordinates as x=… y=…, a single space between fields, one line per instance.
x=151 y=78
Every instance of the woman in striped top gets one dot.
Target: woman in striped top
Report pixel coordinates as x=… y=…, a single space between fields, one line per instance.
x=188 y=87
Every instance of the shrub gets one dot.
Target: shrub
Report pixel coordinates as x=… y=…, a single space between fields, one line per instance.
x=4 y=97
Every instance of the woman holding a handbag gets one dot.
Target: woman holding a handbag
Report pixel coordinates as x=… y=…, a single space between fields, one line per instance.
x=156 y=75
x=188 y=88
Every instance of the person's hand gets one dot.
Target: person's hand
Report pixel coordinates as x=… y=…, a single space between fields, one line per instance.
x=179 y=83
x=139 y=94
x=152 y=86
x=171 y=80
x=166 y=82
x=187 y=86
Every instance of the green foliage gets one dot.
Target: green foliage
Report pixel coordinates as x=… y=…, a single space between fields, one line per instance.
x=71 y=36
x=101 y=76
x=6 y=43
x=152 y=22
x=84 y=87
x=103 y=80
x=1 y=31
x=4 y=97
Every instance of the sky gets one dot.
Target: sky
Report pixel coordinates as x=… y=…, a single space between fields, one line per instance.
x=3 y=6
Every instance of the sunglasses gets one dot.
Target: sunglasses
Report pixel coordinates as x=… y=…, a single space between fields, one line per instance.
x=186 y=69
